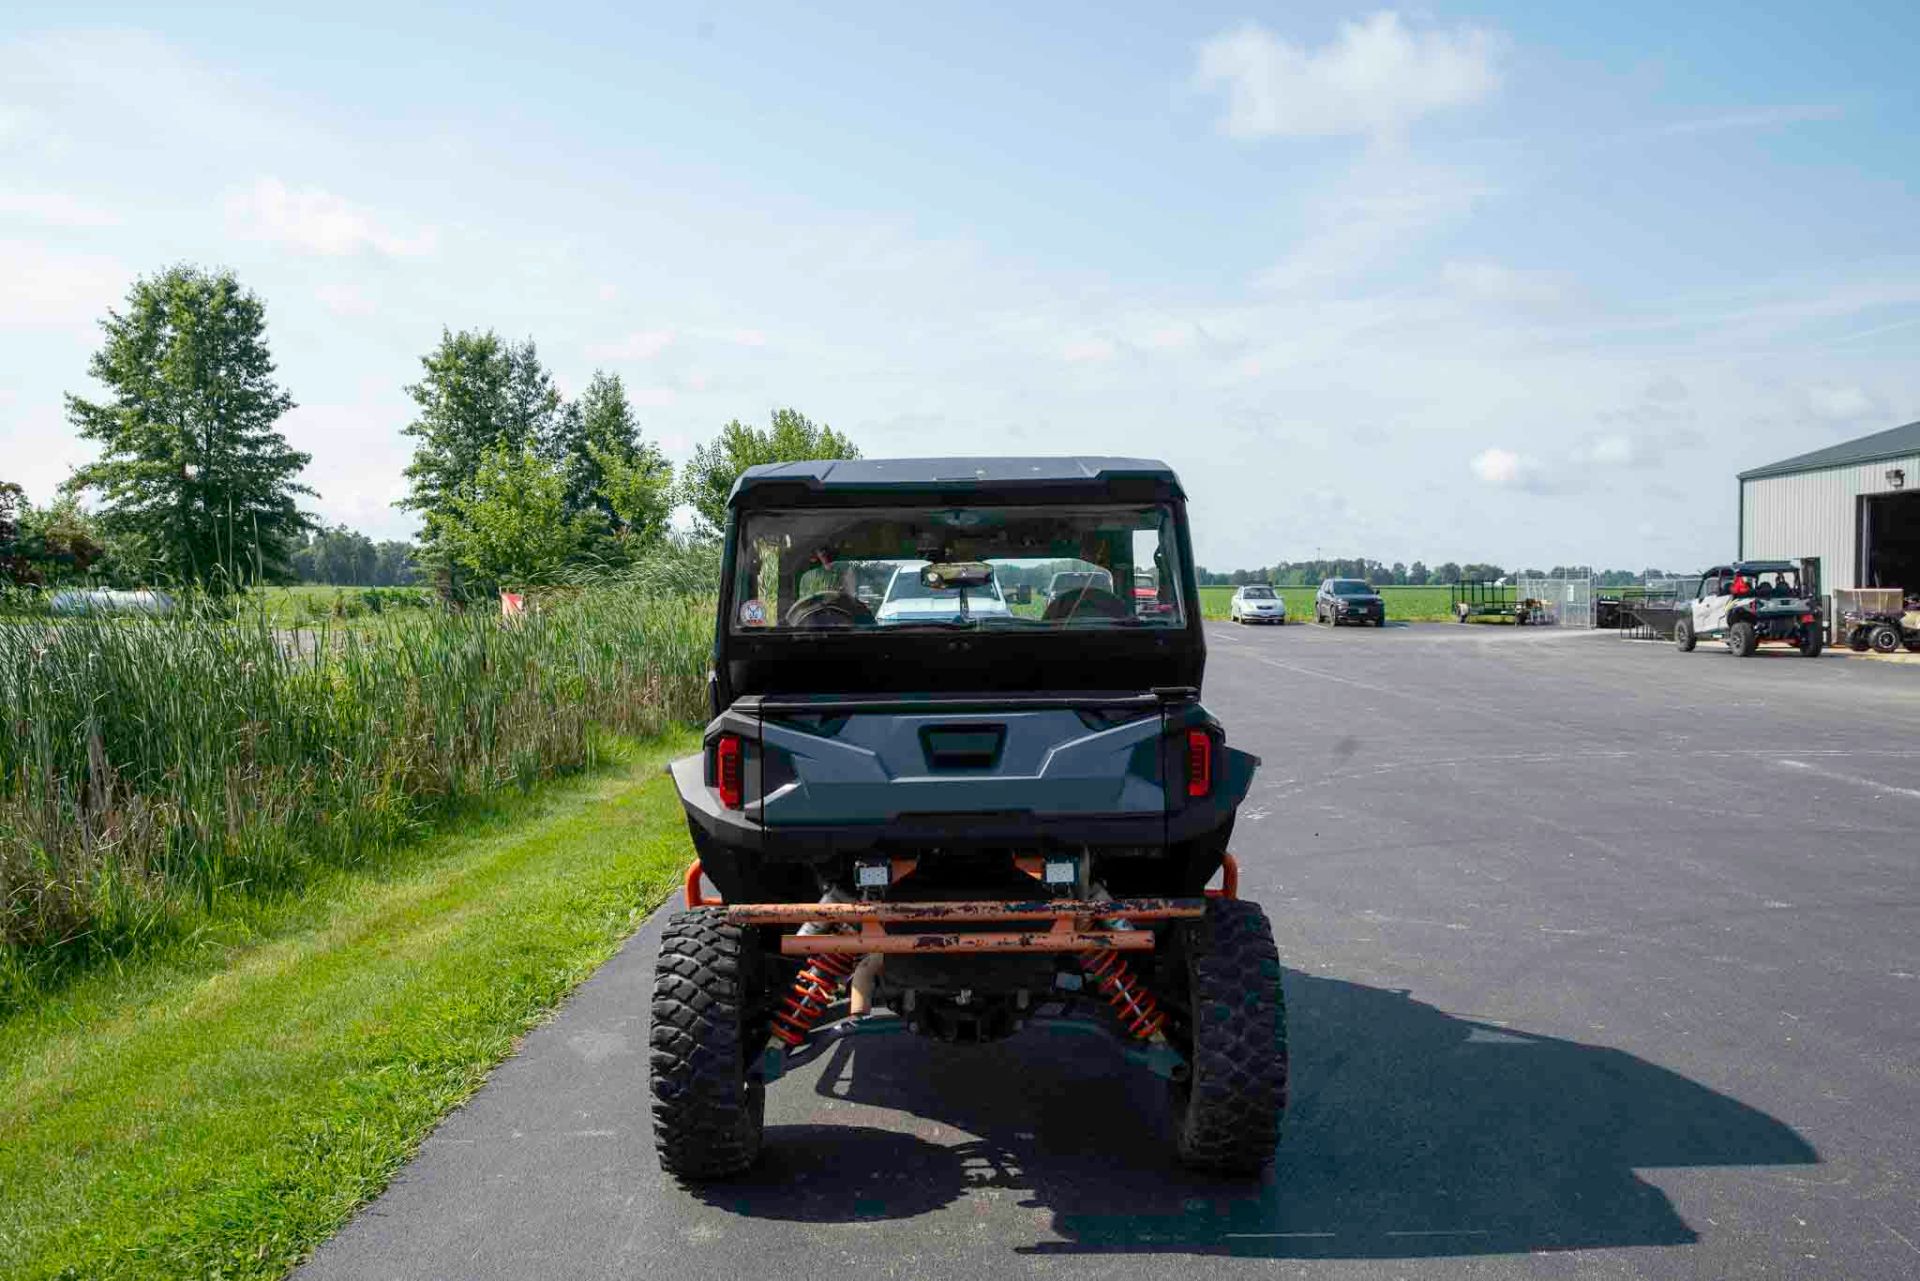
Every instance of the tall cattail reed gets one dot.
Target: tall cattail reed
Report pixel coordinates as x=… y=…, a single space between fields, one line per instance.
x=150 y=767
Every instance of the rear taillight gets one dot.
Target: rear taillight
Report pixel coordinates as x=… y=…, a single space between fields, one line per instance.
x=729 y=755
x=1199 y=762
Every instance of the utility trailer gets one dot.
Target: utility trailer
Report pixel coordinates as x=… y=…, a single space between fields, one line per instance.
x=1479 y=600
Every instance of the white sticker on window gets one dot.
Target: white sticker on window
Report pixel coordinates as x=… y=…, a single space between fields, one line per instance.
x=753 y=613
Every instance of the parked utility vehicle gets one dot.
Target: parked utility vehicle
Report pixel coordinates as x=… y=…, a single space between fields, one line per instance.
x=1883 y=621
x=970 y=819
x=1753 y=602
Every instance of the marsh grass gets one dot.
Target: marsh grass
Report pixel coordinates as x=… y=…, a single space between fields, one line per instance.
x=152 y=768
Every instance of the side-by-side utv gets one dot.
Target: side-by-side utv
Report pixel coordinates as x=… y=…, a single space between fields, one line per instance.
x=957 y=781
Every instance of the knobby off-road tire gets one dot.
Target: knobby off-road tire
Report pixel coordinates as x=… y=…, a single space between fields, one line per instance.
x=1226 y=1116
x=1885 y=639
x=1742 y=640
x=1812 y=641
x=707 y=1112
x=1683 y=635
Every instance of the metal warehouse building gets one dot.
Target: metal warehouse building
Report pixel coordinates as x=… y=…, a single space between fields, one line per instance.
x=1855 y=505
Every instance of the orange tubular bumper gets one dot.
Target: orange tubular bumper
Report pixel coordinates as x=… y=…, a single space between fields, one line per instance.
x=1229 y=878
x=1037 y=941
x=690 y=888
x=1071 y=925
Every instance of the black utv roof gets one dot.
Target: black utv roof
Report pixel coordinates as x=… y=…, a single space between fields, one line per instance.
x=1756 y=567
x=833 y=481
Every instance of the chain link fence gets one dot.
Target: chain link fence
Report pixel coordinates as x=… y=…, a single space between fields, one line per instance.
x=1562 y=602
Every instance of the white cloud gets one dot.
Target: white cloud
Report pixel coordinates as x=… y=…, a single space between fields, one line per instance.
x=1378 y=213
x=45 y=289
x=313 y=221
x=1491 y=282
x=56 y=208
x=746 y=338
x=1756 y=118
x=1087 y=351
x=1174 y=337
x=1839 y=404
x=1504 y=469
x=1610 y=451
x=1666 y=390
x=1376 y=78
x=642 y=344
x=344 y=300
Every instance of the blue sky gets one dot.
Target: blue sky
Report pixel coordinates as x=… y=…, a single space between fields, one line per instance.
x=1526 y=284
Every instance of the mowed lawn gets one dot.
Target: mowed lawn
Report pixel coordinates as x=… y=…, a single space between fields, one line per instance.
x=1405 y=604
x=221 y=1112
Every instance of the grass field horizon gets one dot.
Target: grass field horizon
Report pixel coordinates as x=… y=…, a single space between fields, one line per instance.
x=1422 y=604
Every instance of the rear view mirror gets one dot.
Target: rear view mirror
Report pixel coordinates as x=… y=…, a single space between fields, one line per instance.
x=953 y=574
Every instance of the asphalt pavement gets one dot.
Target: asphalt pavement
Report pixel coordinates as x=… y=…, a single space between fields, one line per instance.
x=1604 y=960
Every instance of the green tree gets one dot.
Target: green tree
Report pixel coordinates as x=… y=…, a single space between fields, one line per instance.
x=64 y=544
x=393 y=564
x=476 y=394
x=790 y=438
x=508 y=526
x=191 y=470
x=339 y=556
x=14 y=566
x=609 y=469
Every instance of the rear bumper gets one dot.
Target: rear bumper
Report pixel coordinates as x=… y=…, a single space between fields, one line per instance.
x=1024 y=829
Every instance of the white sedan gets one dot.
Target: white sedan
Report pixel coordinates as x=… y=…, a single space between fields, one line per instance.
x=908 y=600
x=1257 y=603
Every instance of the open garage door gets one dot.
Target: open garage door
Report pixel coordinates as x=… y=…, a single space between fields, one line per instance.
x=1890 y=541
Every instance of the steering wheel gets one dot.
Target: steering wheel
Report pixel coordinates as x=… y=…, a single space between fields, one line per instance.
x=1085 y=602
x=824 y=610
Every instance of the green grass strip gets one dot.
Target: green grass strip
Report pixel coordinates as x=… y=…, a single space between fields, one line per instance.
x=220 y=1118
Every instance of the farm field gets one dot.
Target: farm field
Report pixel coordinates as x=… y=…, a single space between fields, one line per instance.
x=308 y=604
x=1404 y=604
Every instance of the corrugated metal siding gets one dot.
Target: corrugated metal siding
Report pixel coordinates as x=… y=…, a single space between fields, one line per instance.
x=1815 y=514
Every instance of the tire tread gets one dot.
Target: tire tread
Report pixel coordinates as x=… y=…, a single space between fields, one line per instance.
x=1227 y=1117
x=707 y=1116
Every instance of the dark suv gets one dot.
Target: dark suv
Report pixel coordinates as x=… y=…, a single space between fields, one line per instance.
x=1348 y=600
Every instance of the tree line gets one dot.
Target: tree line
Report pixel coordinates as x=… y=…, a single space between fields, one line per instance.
x=514 y=484
x=1309 y=573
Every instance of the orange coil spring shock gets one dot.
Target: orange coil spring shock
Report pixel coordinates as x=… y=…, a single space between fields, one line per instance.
x=1139 y=1013
x=812 y=993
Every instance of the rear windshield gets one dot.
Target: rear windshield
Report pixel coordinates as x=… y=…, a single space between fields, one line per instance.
x=1351 y=587
x=1772 y=582
x=1052 y=568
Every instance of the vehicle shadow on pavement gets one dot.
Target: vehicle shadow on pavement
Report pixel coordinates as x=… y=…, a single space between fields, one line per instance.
x=1411 y=1133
